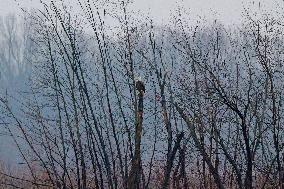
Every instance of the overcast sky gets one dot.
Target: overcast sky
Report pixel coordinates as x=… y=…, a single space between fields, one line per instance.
x=227 y=11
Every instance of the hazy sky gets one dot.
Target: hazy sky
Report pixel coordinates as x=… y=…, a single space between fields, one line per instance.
x=228 y=11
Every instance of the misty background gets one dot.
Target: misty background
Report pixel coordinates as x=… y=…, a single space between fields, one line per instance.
x=222 y=33
x=16 y=50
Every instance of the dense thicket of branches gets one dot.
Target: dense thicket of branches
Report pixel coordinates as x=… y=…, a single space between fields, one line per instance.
x=211 y=116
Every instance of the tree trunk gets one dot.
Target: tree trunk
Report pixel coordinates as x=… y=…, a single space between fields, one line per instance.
x=135 y=172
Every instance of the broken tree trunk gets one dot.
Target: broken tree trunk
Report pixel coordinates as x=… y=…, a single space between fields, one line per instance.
x=135 y=172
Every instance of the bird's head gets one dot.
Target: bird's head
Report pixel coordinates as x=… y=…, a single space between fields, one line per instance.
x=137 y=78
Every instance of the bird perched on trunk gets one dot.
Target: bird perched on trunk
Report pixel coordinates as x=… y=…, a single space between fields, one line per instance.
x=140 y=86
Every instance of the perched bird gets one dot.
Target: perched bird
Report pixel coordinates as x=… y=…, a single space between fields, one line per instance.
x=140 y=86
